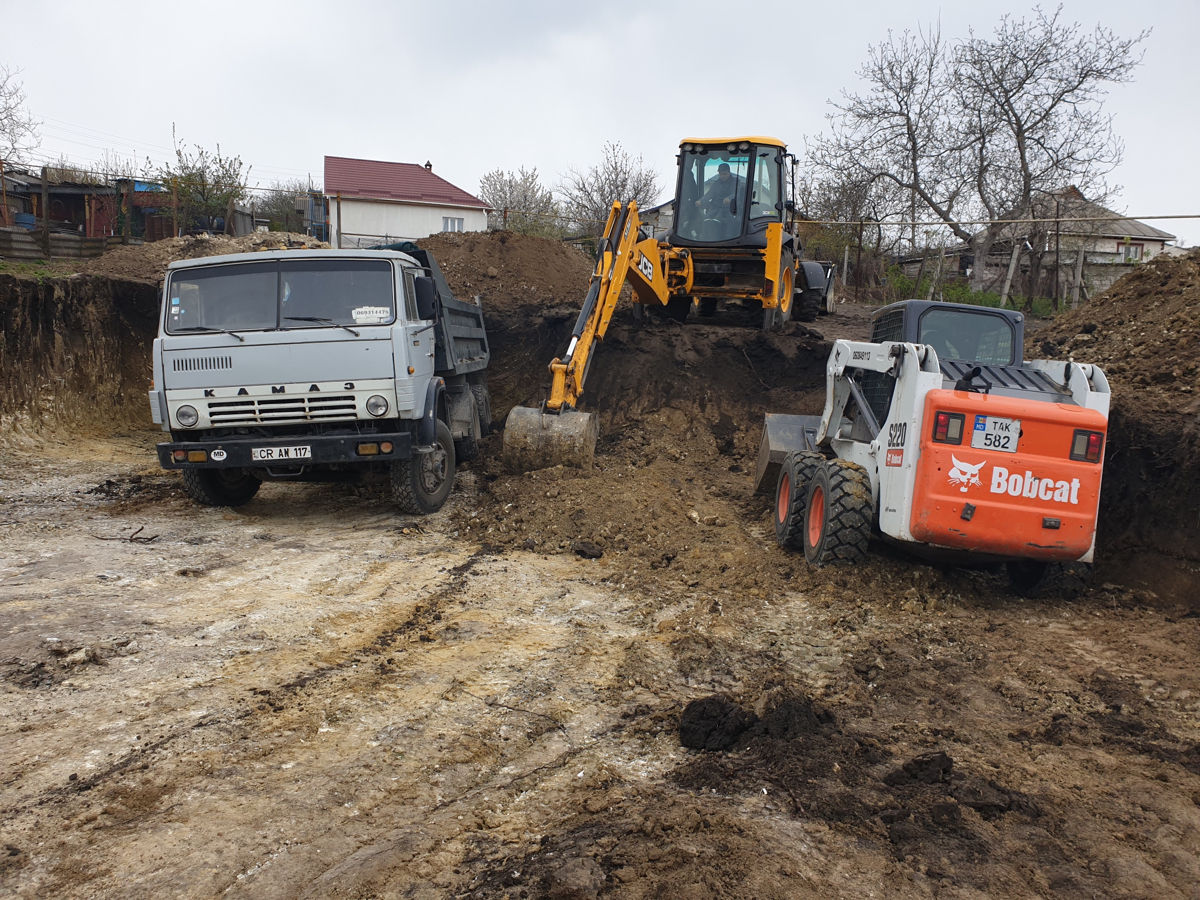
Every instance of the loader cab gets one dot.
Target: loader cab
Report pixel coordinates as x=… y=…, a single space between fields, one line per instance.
x=728 y=191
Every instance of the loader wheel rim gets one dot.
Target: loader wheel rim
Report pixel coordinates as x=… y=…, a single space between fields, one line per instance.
x=816 y=516
x=783 y=499
x=785 y=292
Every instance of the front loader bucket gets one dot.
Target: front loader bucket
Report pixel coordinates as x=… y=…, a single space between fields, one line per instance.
x=536 y=439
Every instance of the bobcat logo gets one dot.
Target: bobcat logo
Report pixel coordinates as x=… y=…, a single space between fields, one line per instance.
x=965 y=475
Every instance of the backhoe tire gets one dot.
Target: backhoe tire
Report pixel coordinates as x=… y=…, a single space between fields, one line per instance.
x=804 y=307
x=791 y=496
x=708 y=307
x=421 y=485
x=770 y=318
x=220 y=487
x=837 y=520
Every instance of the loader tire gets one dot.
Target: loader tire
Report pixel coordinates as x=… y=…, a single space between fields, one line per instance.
x=838 y=514
x=220 y=487
x=420 y=485
x=791 y=496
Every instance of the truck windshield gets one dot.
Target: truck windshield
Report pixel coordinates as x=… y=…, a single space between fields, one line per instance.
x=291 y=293
x=713 y=187
x=971 y=337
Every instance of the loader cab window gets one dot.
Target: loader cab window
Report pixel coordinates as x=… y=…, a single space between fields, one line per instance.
x=970 y=337
x=713 y=191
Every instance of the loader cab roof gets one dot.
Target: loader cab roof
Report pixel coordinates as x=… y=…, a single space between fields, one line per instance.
x=958 y=331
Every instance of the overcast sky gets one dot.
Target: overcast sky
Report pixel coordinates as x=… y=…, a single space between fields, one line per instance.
x=475 y=86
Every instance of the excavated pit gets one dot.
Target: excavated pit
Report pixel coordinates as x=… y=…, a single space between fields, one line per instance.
x=313 y=696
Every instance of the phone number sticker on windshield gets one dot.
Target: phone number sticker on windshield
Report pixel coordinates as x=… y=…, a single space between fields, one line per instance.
x=278 y=454
x=996 y=433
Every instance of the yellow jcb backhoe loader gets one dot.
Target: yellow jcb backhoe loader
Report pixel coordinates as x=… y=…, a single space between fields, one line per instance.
x=731 y=239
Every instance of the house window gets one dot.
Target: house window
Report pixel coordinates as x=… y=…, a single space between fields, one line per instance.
x=1131 y=252
x=451 y=223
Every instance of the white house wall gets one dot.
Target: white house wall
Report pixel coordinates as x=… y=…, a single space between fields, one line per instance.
x=368 y=222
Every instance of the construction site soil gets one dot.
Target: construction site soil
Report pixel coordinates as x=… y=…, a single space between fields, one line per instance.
x=598 y=683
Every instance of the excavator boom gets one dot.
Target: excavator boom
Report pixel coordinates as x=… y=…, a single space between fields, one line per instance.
x=558 y=433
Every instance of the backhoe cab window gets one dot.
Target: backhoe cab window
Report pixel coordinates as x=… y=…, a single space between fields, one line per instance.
x=299 y=293
x=975 y=338
x=766 y=196
x=713 y=190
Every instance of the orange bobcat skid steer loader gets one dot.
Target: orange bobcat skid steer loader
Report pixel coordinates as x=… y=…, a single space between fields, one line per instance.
x=938 y=436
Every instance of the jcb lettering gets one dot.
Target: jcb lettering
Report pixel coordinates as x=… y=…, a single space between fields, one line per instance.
x=645 y=267
x=1029 y=485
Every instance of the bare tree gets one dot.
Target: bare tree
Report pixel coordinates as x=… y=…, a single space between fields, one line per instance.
x=18 y=130
x=519 y=202
x=978 y=129
x=588 y=196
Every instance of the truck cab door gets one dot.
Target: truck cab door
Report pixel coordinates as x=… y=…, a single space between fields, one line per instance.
x=420 y=312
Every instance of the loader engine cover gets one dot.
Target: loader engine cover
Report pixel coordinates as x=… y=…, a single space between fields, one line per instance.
x=1005 y=481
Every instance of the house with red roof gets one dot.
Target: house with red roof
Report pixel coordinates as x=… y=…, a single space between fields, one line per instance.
x=372 y=202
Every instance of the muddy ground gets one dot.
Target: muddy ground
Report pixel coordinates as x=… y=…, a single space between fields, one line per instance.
x=315 y=696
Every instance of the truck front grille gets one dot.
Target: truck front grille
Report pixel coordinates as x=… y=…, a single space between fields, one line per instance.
x=281 y=410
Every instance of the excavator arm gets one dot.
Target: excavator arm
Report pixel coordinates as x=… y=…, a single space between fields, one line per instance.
x=557 y=433
x=624 y=256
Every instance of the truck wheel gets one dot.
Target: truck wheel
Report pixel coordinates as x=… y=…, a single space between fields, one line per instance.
x=483 y=405
x=467 y=446
x=220 y=487
x=791 y=496
x=421 y=485
x=837 y=521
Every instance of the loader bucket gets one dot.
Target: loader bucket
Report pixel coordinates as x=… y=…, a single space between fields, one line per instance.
x=537 y=439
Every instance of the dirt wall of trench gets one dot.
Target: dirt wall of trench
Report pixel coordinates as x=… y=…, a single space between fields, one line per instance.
x=75 y=351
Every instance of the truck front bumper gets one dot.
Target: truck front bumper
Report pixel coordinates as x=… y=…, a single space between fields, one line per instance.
x=285 y=452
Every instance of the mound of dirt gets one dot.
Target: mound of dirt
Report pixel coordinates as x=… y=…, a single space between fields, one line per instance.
x=1145 y=332
x=148 y=262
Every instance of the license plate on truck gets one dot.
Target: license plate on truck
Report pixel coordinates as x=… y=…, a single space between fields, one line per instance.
x=280 y=454
x=996 y=433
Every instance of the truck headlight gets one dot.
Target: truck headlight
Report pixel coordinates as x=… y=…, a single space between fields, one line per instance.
x=377 y=405
x=187 y=416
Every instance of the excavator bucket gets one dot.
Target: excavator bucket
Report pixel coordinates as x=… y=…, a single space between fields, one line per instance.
x=537 y=439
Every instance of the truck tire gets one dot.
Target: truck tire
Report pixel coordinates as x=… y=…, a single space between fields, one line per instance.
x=837 y=521
x=421 y=485
x=483 y=404
x=467 y=446
x=220 y=487
x=791 y=496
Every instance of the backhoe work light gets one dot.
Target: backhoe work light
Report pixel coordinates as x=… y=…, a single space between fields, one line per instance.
x=1087 y=445
x=948 y=427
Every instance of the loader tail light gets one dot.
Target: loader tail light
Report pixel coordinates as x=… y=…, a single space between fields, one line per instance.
x=948 y=427
x=1087 y=445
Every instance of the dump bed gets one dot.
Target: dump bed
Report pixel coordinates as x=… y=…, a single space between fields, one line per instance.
x=460 y=342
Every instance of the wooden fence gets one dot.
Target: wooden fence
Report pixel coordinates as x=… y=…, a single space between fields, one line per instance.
x=23 y=244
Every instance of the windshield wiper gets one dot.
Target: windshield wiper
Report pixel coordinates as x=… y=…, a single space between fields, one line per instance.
x=209 y=330
x=322 y=320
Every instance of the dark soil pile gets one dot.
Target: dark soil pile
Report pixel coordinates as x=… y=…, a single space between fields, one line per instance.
x=1145 y=333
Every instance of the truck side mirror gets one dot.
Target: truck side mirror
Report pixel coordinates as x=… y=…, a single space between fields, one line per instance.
x=426 y=297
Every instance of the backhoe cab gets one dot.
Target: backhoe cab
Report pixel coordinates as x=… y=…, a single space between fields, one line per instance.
x=733 y=216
